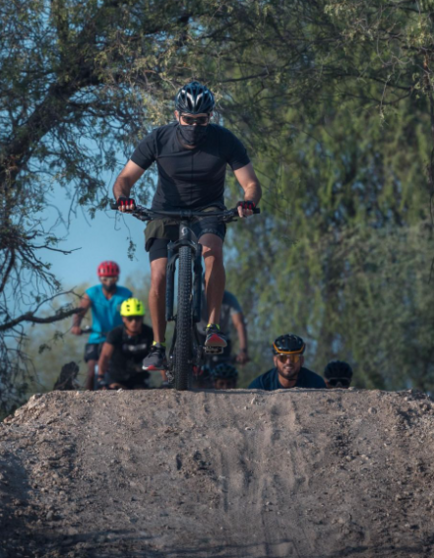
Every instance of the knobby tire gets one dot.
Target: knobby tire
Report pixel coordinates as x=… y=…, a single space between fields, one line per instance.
x=183 y=365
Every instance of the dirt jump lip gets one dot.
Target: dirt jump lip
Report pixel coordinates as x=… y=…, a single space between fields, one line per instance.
x=245 y=473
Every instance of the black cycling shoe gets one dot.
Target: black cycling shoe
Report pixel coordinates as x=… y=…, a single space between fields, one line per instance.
x=156 y=359
x=214 y=337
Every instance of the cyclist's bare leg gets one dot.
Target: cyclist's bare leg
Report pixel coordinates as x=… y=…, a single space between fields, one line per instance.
x=90 y=374
x=212 y=250
x=157 y=299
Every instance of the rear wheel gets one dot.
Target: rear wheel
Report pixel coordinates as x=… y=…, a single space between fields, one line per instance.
x=183 y=365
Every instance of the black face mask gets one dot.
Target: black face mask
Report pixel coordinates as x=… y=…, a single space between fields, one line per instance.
x=110 y=288
x=192 y=135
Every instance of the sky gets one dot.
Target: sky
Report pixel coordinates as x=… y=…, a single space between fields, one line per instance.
x=106 y=237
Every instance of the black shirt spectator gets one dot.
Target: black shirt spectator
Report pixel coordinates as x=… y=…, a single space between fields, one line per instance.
x=270 y=380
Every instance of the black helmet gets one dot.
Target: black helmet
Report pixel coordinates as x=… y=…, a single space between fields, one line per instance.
x=338 y=369
x=225 y=371
x=289 y=343
x=194 y=98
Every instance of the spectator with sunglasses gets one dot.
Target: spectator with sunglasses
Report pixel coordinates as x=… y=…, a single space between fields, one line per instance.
x=338 y=374
x=120 y=363
x=191 y=156
x=288 y=371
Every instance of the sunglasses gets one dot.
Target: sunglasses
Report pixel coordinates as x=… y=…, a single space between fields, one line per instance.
x=134 y=318
x=286 y=358
x=200 y=120
x=109 y=279
x=339 y=382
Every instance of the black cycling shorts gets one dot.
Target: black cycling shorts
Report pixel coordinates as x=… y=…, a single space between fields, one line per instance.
x=92 y=351
x=159 y=233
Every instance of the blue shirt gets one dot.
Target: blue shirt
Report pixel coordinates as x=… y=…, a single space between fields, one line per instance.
x=105 y=313
x=270 y=380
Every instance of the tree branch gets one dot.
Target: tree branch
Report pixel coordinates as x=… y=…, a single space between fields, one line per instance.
x=30 y=317
x=8 y=270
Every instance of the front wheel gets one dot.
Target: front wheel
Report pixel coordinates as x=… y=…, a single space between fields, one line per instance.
x=183 y=365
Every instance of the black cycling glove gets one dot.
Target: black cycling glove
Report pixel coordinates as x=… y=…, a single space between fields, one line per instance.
x=246 y=205
x=126 y=203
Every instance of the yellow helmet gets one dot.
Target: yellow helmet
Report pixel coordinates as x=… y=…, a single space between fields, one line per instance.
x=132 y=307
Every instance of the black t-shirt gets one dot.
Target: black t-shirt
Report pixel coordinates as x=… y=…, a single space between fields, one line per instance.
x=270 y=380
x=128 y=352
x=190 y=178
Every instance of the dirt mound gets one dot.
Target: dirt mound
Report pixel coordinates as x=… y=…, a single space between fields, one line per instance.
x=298 y=473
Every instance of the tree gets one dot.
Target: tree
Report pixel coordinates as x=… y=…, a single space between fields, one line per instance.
x=351 y=175
x=83 y=81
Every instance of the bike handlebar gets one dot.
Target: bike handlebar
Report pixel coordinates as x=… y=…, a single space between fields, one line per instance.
x=87 y=329
x=145 y=214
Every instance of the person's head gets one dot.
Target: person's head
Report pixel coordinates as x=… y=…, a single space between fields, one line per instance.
x=194 y=104
x=338 y=374
x=224 y=376
x=108 y=273
x=288 y=355
x=132 y=312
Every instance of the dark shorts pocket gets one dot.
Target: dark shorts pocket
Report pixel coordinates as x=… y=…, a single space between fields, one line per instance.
x=164 y=229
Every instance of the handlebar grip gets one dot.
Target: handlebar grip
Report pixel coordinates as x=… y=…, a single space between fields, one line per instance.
x=113 y=205
x=257 y=210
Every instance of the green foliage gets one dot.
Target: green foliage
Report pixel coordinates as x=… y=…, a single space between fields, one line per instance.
x=346 y=185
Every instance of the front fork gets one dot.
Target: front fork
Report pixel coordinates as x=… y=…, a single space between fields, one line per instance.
x=185 y=239
x=172 y=255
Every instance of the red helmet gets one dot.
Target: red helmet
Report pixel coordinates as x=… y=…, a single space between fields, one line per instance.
x=108 y=269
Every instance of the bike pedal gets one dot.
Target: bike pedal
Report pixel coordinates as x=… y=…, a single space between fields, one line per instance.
x=213 y=350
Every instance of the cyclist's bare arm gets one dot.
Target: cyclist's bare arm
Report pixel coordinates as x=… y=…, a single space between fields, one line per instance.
x=240 y=326
x=250 y=184
x=85 y=304
x=104 y=359
x=129 y=175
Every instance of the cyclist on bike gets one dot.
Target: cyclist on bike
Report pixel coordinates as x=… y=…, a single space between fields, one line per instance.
x=288 y=371
x=338 y=374
x=104 y=301
x=191 y=155
x=120 y=363
x=224 y=376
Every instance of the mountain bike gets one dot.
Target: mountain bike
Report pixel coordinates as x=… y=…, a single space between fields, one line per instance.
x=186 y=352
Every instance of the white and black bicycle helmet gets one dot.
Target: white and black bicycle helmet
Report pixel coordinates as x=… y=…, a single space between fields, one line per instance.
x=194 y=98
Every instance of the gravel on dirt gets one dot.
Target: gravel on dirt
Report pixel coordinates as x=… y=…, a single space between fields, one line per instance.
x=243 y=473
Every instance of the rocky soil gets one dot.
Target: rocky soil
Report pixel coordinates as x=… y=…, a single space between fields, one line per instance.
x=155 y=474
